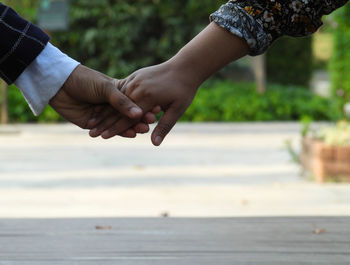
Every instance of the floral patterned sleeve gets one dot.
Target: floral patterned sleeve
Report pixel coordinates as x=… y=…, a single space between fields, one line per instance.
x=260 y=22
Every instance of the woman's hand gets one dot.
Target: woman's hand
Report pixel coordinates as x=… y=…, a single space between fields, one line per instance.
x=173 y=84
x=162 y=85
x=88 y=97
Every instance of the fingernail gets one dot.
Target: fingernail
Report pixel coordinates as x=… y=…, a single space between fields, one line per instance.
x=105 y=134
x=94 y=131
x=158 y=140
x=135 y=111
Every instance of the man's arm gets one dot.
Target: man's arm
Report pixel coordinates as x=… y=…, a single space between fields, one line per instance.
x=27 y=59
x=44 y=77
x=44 y=74
x=20 y=43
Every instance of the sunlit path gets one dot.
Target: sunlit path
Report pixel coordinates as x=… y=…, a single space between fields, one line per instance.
x=201 y=170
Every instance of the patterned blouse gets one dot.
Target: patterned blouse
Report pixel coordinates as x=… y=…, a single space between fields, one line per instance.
x=260 y=22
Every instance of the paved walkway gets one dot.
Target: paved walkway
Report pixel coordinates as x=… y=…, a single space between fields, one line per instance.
x=201 y=170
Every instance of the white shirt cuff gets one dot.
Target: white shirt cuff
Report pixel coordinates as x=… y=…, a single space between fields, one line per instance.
x=44 y=77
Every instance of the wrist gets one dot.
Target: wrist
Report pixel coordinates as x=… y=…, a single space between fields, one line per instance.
x=184 y=71
x=207 y=53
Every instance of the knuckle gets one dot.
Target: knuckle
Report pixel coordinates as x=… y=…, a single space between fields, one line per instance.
x=112 y=131
x=120 y=83
x=148 y=93
x=119 y=99
x=164 y=129
x=122 y=101
x=131 y=88
x=111 y=84
x=85 y=126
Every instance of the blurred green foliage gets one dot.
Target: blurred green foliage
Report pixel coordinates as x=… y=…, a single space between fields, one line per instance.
x=20 y=112
x=26 y=8
x=290 y=62
x=118 y=37
x=340 y=62
x=227 y=101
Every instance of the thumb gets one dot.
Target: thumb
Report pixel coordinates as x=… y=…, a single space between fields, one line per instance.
x=165 y=124
x=90 y=86
x=122 y=103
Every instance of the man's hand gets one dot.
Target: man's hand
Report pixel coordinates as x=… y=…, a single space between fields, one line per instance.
x=88 y=97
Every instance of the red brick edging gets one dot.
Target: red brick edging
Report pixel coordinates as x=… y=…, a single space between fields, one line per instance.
x=327 y=163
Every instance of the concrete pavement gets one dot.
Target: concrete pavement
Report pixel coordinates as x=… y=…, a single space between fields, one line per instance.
x=238 y=169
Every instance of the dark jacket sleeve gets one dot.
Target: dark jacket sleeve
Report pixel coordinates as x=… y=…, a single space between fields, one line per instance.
x=260 y=22
x=20 y=43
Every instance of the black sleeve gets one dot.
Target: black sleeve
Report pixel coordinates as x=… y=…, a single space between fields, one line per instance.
x=20 y=43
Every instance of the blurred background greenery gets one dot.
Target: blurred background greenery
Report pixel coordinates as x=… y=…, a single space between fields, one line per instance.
x=117 y=37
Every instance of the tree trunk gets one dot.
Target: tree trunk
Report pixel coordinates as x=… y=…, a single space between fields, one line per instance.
x=259 y=68
x=4 y=110
x=3 y=98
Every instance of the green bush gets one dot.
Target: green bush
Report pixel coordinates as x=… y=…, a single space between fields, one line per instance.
x=224 y=101
x=289 y=61
x=227 y=101
x=340 y=62
x=20 y=112
x=118 y=37
x=26 y=8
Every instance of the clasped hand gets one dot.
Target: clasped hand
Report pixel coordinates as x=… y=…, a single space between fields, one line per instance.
x=153 y=88
x=110 y=107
